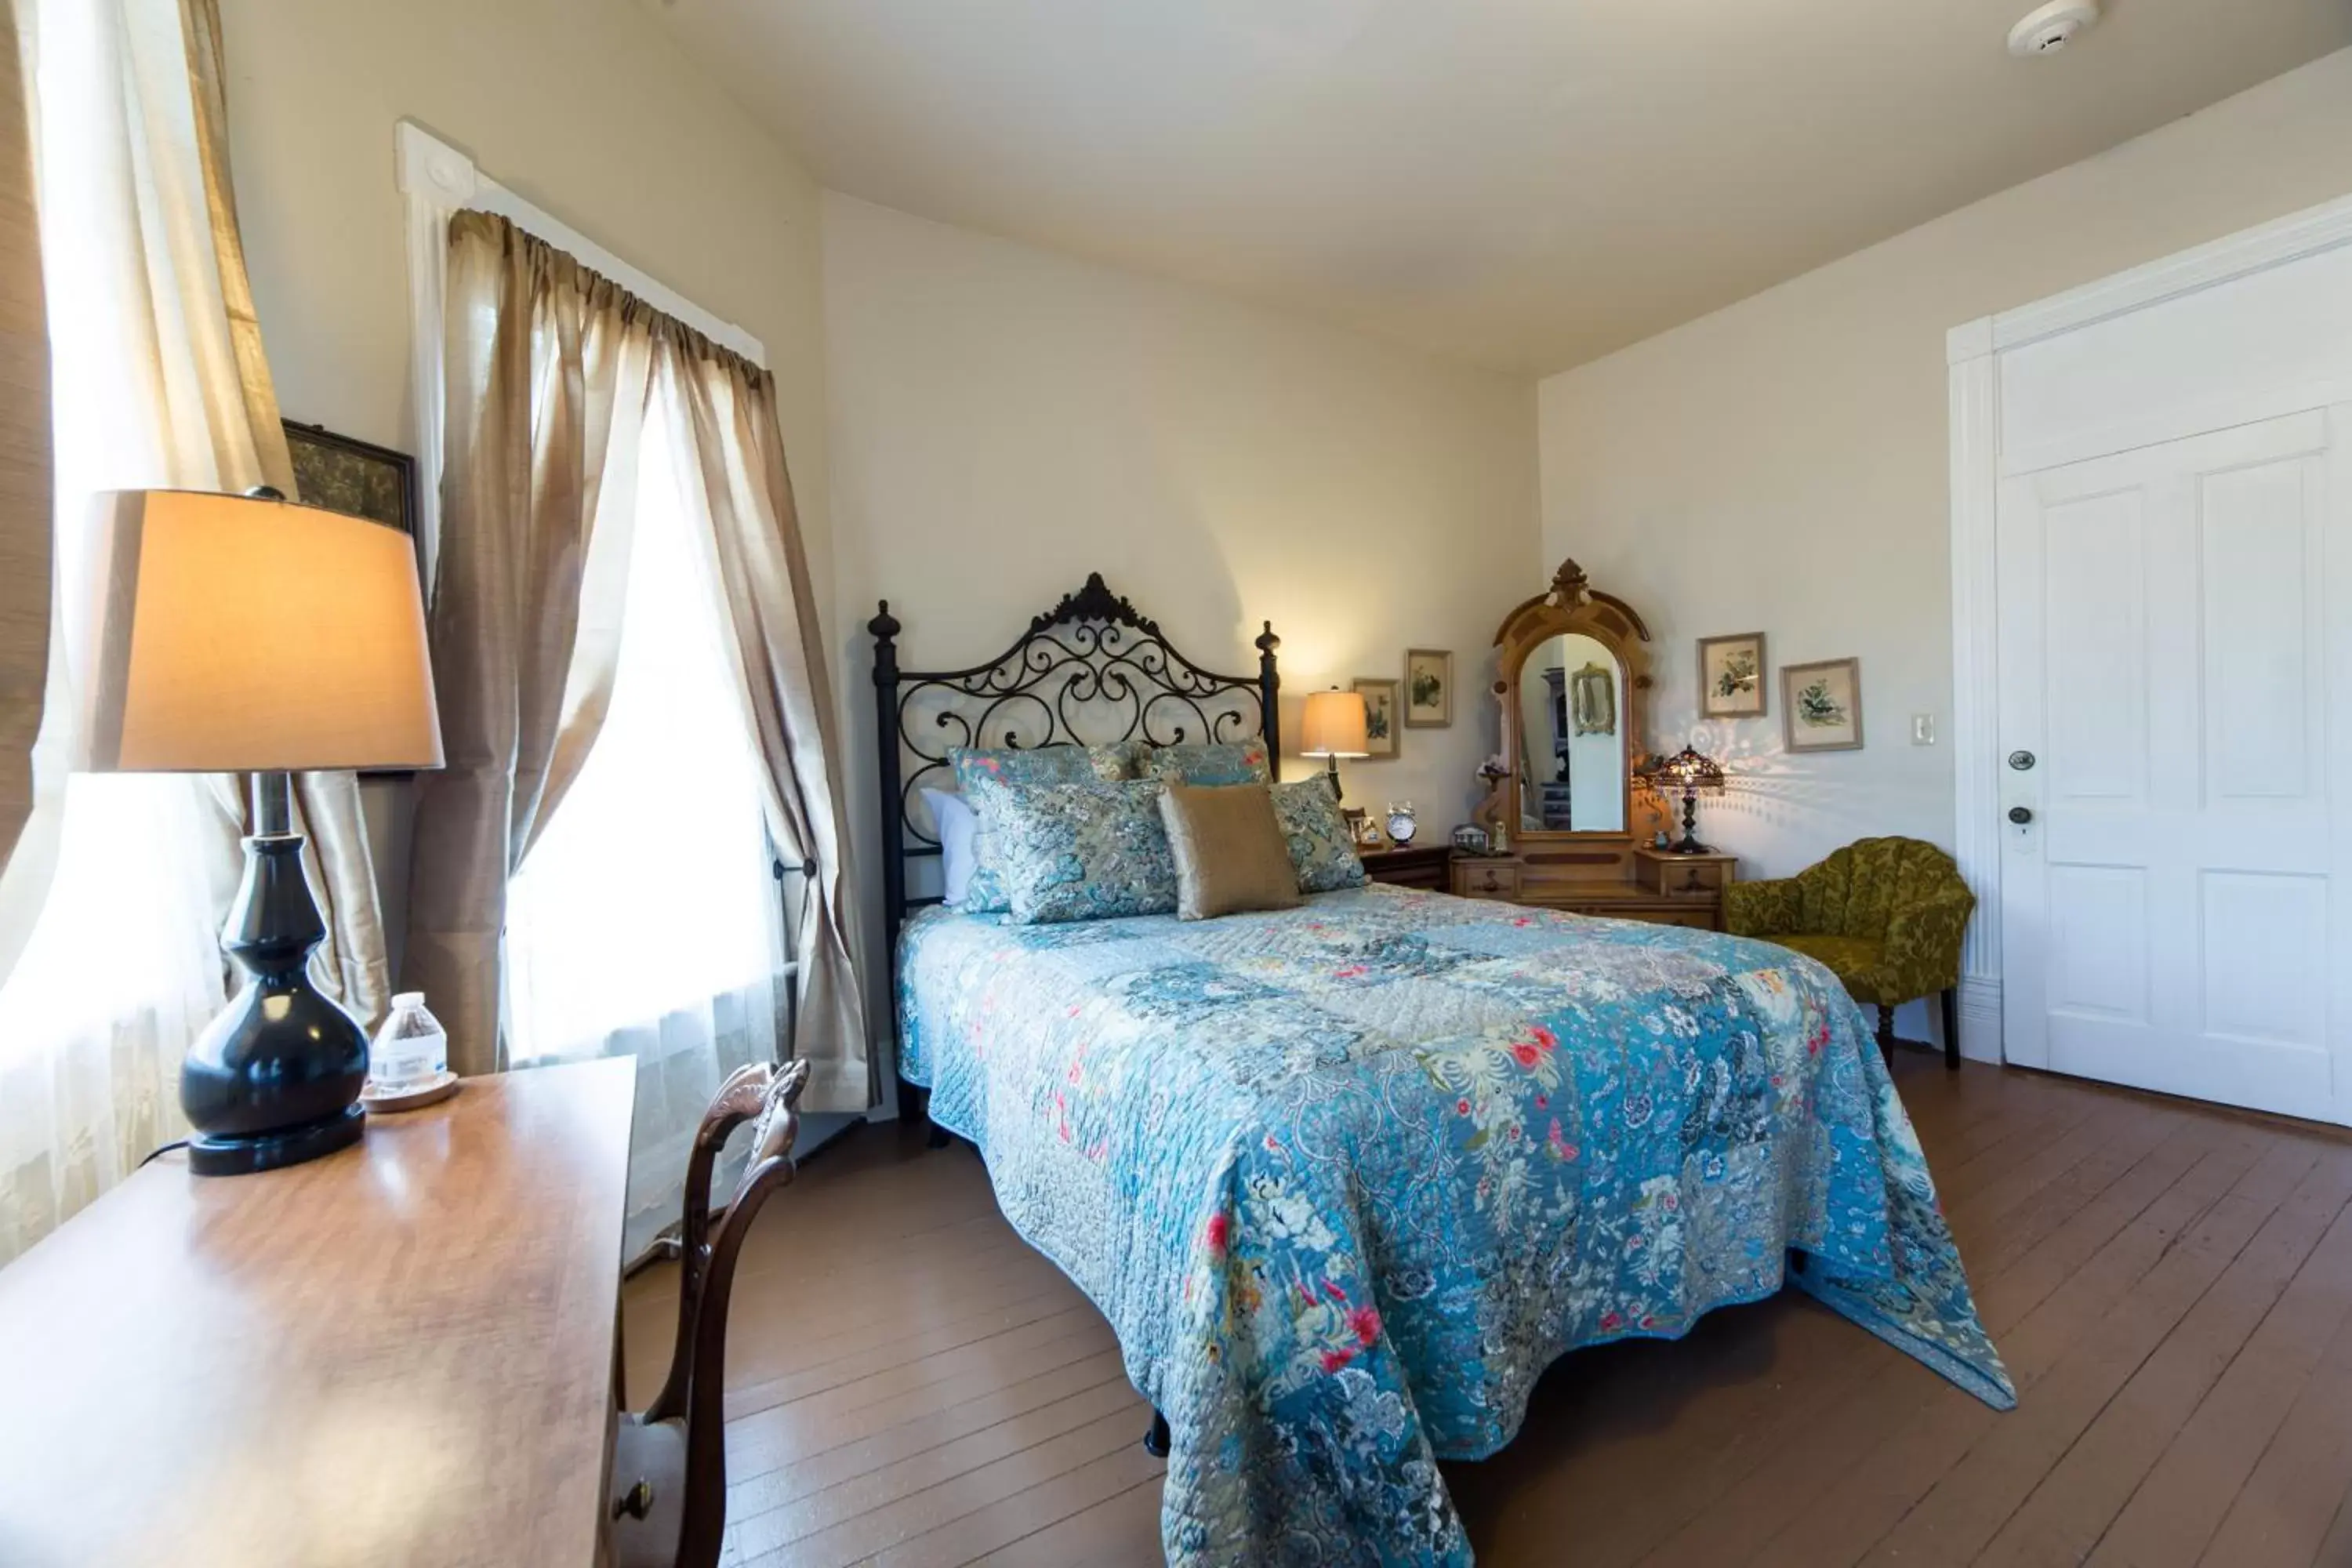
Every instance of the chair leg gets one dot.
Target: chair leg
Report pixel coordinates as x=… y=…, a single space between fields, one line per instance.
x=1886 y=1033
x=1952 y=1029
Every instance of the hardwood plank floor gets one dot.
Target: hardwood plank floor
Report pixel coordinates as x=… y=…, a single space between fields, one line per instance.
x=2170 y=1285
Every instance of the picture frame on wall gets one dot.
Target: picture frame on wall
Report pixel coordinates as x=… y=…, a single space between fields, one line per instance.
x=1820 y=705
x=1428 y=687
x=1731 y=683
x=1383 y=710
x=358 y=479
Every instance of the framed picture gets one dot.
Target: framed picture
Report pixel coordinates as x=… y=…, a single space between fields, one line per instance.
x=1731 y=676
x=1381 y=716
x=354 y=477
x=1428 y=689
x=1820 y=705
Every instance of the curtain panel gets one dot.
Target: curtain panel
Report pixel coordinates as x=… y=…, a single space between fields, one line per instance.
x=726 y=406
x=551 y=370
x=25 y=502
x=548 y=367
x=158 y=381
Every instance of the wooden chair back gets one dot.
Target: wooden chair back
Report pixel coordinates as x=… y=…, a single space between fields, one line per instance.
x=683 y=1430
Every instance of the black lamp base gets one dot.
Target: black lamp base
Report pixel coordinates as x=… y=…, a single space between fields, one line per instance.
x=209 y=1155
x=275 y=1080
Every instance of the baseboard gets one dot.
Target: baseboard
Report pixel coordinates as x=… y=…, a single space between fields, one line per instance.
x=1980 y=1020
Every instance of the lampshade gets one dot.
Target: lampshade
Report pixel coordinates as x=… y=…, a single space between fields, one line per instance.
x=236 y=633
x=1334 y=726
x=1688 y=769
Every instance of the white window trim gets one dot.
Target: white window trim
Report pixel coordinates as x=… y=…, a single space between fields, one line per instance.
x=438 y=181
x=1972 y=352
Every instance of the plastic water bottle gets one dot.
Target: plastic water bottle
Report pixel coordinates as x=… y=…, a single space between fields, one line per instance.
x=411 y=1049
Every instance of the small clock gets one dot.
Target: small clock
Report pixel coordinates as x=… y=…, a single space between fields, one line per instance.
x=1401 y=824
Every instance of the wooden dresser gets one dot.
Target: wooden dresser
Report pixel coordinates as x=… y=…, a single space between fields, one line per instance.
x=399 y=1354
x=1670 y=889
x=1569 y=782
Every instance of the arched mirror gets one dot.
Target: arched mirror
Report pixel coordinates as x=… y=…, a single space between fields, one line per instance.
x=1572 y=689
x=1571 y=732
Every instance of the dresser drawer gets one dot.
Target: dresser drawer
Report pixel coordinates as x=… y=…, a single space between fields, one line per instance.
x=1482 y=879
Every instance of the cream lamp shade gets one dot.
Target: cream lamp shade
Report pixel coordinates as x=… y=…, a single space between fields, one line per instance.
x=248 y=634
x=1334 y=726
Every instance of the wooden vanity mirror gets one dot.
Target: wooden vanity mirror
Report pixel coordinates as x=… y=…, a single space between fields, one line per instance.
x=1573 y=685
x=1574 y=691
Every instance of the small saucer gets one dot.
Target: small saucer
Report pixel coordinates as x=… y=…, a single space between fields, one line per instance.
x=432 y=1090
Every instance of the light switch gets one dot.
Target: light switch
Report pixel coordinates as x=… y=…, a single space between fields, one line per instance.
x=1923 y=729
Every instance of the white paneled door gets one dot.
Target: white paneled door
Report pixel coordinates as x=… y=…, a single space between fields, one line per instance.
x=2176 y=730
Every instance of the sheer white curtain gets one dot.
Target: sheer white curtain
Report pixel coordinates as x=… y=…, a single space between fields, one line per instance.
x=646 y=918
x=107 y=909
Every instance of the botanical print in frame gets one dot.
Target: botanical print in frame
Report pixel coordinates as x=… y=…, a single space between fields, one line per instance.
x=1428 y=689
x=338 y=473
x=1820 y=705
x=1382 y=705
x=1731 y=676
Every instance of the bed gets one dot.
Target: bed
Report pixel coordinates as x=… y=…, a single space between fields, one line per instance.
x=1346 y=1178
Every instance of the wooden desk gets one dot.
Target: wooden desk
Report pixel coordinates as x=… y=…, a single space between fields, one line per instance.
x=400 y=1354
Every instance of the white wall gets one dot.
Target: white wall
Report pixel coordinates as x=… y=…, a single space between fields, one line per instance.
x=1782 y=464
x=1005 y=420
x=585 y=107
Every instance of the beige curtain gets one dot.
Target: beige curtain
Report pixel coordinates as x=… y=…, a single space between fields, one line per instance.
x=726 y=407
x=25 y=521
x=547 y=369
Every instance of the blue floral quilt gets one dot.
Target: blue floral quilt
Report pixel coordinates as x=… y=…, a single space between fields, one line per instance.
x=1347 y=1178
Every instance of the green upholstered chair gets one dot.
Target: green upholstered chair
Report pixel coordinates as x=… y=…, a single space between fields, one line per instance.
x=1884 y=914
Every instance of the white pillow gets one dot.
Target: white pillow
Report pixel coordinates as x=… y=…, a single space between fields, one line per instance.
x=957 y=824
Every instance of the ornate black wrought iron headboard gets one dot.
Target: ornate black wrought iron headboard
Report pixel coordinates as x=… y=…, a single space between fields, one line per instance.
x=1089 y=671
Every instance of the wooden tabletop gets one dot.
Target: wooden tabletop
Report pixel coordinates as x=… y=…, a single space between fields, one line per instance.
x=401 y=1354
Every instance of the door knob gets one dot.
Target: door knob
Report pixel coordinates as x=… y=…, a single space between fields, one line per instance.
x=2019 y=815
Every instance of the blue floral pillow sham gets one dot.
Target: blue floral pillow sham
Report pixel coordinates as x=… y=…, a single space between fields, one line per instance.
x=1225 y=762
x=985 y=893
x=1078 y=851
x=1317 y=836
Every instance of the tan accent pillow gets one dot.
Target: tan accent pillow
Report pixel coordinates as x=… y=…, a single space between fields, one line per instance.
x=1230 y=852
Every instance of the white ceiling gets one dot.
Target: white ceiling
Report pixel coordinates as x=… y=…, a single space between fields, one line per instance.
x=1528 y=183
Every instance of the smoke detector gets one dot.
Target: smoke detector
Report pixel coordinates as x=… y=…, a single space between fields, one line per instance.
x=2052 y=28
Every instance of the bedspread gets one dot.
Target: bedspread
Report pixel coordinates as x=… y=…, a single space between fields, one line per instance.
x=1347 y=1178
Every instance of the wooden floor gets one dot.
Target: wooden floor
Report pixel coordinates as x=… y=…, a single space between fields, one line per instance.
x=2171 y=1287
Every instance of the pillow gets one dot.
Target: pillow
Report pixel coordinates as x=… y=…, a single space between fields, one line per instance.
x=1230 y=852
x=1078 y=851
x=1320 y=846
x=953 y=816
x=1226 y=762
x=984 y=894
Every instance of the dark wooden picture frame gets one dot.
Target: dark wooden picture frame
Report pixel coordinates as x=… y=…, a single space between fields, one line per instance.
x=356 y=478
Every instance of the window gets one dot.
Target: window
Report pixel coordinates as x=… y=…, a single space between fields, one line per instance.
x=647 y=918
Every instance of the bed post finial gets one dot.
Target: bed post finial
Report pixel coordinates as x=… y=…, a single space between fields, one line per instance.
x=1269 y=699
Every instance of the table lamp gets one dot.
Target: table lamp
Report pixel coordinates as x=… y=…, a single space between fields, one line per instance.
x=244 y=633
x=1334 y=726
x=1687 y=771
